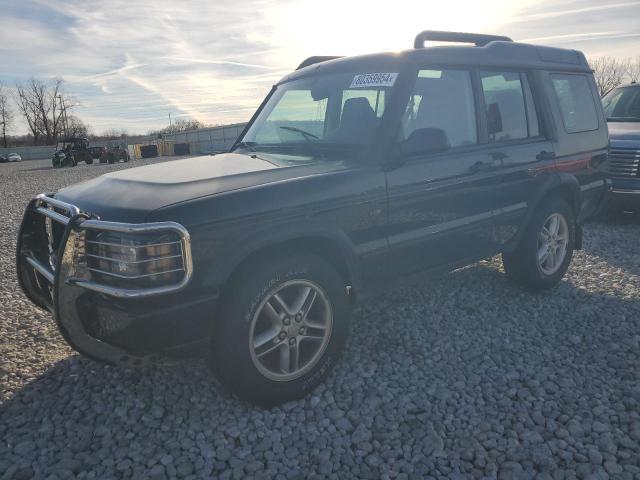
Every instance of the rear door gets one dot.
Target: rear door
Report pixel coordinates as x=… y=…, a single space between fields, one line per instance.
x=582 y=139
x=440 y=204
x=520 y=154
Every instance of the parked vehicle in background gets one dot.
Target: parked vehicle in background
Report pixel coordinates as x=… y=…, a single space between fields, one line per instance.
x=115 y=154
x=70 y=151
x=622 y=109
x=97 y=152
x=353 y=174
x=11 y=157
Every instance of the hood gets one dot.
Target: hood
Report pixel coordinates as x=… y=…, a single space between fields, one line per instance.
x=129 y=195
x=624 y=134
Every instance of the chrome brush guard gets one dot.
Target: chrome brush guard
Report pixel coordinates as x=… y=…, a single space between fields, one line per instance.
x=41 y=249
x=53 y=271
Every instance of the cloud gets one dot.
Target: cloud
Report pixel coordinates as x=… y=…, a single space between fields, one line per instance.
x=130 y=63
x=583 y=8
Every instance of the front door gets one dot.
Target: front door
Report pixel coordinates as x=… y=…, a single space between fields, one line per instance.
x=440 y=204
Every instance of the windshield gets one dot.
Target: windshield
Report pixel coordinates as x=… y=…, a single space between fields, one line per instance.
x=322 y=115
x=622 y=104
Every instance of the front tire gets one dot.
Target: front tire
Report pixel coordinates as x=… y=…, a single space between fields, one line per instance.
x=545 y=251
x=281 y=329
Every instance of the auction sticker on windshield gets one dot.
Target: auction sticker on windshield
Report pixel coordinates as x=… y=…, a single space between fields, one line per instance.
x=374 y=80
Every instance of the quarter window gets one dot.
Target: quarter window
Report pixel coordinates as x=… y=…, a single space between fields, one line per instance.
x=443 y=99
x=576 y=102
x=510 y=110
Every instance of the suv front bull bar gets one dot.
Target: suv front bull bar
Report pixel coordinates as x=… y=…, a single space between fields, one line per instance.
x=51 y=270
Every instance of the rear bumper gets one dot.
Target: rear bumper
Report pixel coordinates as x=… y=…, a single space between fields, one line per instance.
x=118 y=326
x=593 y=199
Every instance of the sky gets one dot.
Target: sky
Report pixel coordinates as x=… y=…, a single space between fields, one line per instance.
x=128 y=64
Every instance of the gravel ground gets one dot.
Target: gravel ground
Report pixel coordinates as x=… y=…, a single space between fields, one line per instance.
x=464 y=377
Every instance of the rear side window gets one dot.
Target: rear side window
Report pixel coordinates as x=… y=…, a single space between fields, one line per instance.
x=576 y=102
x=443 y=99
x=511 y=113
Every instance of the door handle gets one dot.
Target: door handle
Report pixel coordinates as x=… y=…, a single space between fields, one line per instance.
x=544 y=155
x=497 y=161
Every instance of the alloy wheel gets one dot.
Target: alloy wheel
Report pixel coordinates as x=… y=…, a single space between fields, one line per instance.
x=553 y=240
x=290 y=330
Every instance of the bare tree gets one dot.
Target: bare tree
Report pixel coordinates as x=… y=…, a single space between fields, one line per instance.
x=76 y=127
x=6 y=114
x=609 y=73
x=633 y=70
x=29 y=111
x=182 y=125
x=112 y=134
x=44 y=108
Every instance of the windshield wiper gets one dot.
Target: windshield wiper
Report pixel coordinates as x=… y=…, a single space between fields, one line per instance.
x=251 y=146
x=307 y=135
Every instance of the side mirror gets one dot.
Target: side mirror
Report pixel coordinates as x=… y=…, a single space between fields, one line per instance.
x=425 y=140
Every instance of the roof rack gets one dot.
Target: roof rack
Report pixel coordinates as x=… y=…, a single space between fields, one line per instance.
x=315 y=59
x=479 y=39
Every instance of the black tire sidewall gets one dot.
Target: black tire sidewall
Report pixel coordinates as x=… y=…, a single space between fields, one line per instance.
x=231 y=358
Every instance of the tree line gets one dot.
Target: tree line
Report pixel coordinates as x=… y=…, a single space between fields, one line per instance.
x=45 y=109
x=47 y=112
x=611 y=72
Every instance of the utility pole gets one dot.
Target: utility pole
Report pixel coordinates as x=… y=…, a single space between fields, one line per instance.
x=63 y=113
x=169 y=120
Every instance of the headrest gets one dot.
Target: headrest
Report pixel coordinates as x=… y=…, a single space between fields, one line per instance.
x=356 y=109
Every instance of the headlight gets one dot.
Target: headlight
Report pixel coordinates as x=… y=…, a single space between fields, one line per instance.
x=140 y=260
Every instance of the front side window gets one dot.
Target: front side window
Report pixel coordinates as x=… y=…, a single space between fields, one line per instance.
x=622 y=104
x=322 y=114
x=442 y=101
x=510 y=111
x=576 y=102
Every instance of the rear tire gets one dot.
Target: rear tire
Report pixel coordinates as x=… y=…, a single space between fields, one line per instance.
x=544 y=254
x=265 y=348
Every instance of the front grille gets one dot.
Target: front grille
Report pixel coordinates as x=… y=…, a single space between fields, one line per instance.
x=624 y=162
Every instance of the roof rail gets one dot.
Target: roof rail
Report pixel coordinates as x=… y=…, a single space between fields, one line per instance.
x=478 y=39
x=315 y=59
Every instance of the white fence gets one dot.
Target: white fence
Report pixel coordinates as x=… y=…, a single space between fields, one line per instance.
x=205 y=140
